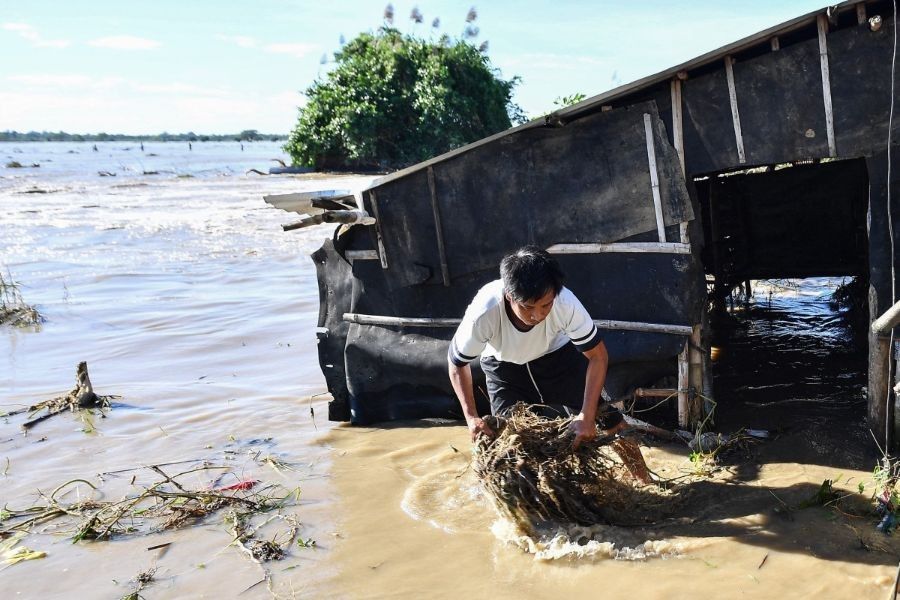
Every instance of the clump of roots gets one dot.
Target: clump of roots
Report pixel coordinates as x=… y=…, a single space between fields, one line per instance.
x=535 y=476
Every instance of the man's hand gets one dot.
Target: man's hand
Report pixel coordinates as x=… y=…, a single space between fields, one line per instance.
x=478 y=426
x=585 y=429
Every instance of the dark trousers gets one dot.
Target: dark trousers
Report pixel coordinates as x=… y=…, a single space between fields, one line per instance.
x=553 y=385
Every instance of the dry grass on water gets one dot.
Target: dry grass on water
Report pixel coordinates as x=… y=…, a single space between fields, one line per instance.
x=535 y=477
x=13 y=309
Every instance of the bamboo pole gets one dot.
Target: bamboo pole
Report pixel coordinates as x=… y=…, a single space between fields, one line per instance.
x=446 y=322
x=654 y=178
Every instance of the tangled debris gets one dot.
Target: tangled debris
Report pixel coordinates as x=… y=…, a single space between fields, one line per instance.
x=82 y=396
x=161 y=505
x=535 y=477
x=142 y=580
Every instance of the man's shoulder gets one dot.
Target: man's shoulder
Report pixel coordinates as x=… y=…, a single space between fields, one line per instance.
x=487 y=299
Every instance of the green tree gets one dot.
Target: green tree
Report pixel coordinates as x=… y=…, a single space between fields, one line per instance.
x=394 y=99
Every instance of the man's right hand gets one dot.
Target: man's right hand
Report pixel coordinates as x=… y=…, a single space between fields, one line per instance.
x=478 y=426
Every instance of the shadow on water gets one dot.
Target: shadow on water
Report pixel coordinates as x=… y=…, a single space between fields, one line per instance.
x=794 y=362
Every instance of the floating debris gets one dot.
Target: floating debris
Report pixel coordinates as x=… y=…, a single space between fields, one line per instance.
x=142 y=580
x=82 y=396
x=10 y=554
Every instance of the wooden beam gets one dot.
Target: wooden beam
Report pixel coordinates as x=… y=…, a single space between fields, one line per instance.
x=435 y=322
x=861 y=16
x=822 y=22
x=654 y=178
x=438 y=228
x=735 y=115
x=775 y=44
x=677 y=122
x=624 y=247
x=380 y=241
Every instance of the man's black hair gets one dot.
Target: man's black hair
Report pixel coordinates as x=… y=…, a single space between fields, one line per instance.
x=529 y=273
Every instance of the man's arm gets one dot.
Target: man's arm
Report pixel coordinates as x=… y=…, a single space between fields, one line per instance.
x=461 y=379
x=585 y=424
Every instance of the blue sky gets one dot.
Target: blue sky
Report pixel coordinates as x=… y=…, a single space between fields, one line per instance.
x=142 y=66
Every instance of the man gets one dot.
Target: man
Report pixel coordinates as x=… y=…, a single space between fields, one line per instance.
x=538 y=345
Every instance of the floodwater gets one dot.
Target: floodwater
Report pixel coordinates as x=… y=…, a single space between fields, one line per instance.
x=187 y=300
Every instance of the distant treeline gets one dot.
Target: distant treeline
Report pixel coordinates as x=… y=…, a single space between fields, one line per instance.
x=248 y=135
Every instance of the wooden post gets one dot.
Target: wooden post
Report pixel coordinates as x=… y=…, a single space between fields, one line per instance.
x=677 y=123
x=822 y=22
x=380 y=241
x=735 y=114
x=438 y=228
x=861 y=13
x=684 y=384
x=654 y=178
x=879 y=375
x=695 y=376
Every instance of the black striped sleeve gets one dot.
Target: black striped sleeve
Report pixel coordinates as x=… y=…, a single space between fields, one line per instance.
x=456 y=357
x=589 y=341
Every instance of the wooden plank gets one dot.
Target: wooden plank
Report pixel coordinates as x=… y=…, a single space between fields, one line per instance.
x=775 y=43
x=438 y=228
x=684 y=235
x=381 y=253
x=436 y=322
x=822 y=22
x=861 y=16
x=624 y=247
x=654 y=178
x=677 y=122
x=735 y=115
x=352 y=255
x=683 y=388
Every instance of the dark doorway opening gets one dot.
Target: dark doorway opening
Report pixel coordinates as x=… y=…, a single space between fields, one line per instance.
x=786 y=260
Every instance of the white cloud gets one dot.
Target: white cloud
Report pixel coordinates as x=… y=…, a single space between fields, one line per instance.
x=297 y=50
x=240 y=40
x=28 y=32
x=124 y=42
x=51 y=79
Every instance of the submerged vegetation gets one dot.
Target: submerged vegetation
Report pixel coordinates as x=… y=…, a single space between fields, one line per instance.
x=13 y=308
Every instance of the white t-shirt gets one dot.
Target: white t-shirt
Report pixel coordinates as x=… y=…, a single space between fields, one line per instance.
x=486 y=329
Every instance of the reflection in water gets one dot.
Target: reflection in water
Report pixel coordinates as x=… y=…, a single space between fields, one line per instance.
x=790 y=355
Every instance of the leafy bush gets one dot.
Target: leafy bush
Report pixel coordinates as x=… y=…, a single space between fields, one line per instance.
x=394 y=99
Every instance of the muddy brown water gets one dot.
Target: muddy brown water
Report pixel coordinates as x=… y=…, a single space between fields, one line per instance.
x=187 y=300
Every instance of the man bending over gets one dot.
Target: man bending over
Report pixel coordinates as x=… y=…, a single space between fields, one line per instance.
x=538 y=345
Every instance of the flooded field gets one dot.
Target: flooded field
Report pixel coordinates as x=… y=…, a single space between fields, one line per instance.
x=187 y=300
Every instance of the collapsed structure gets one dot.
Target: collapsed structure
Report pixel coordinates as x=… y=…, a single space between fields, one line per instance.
x=769 y=157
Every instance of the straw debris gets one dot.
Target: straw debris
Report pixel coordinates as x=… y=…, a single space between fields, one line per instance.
x=535 y=477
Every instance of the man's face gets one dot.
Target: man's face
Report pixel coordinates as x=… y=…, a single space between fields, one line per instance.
x=532 y=312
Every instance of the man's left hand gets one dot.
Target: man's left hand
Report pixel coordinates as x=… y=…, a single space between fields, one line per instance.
x=585 y=430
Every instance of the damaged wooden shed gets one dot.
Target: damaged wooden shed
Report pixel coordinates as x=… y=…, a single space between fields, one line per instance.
x=768 y=158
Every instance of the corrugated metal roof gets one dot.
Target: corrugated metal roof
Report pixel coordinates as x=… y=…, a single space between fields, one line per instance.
x=594 y=103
